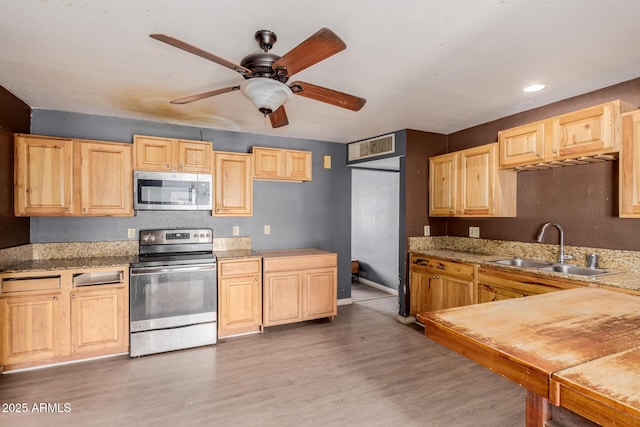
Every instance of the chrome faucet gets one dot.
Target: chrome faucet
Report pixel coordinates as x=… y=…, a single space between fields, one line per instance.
x=561 y=256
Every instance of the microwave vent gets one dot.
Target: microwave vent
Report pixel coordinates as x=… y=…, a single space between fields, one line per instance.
x=372 y=147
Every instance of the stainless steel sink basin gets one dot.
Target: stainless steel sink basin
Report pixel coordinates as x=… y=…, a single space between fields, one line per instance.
x=576 y=270
x=522 y=262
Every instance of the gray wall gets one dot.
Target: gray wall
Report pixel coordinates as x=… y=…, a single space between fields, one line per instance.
x=312 y=214
x=374 y=224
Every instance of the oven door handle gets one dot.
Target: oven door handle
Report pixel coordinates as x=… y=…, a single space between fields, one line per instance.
x=154 y=270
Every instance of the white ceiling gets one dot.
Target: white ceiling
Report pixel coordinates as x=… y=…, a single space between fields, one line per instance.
x=429 y=65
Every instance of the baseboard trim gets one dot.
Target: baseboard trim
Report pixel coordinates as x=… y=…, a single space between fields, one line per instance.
x=345 y=301
x=378 y=286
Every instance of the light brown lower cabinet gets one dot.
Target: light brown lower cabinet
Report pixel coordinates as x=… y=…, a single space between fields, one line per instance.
x=239 y=296
x=495 y=284
x=438 y=284
x=49 y=317
x=298 y=285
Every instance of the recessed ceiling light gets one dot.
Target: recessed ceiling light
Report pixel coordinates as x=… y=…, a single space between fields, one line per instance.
x=536 y=87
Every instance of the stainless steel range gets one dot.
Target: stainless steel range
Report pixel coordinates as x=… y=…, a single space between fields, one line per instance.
x=173 y=291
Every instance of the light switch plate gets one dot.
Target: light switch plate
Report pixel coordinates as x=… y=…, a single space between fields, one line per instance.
x=131 y=233
x=326 y=162
x=427 y=230
x=267 y=229
x=236 y=230
x=474 y=232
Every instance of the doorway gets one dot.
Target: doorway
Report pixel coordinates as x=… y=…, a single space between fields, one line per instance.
x=375 y=210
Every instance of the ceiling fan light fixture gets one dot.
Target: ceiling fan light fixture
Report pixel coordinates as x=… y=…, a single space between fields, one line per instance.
x=266 y=94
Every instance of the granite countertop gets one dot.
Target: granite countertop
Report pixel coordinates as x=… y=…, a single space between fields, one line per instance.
x=236 y=254
x=67 y=264
x=622 y=280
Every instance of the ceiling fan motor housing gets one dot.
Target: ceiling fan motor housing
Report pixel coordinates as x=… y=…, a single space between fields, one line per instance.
x=261 y=65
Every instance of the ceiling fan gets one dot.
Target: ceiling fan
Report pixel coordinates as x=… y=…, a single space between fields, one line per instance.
x=266 y=74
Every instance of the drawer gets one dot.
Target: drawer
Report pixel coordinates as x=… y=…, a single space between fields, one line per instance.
x=438 y=266
x=238 y=268
x=27 y=284
x=300 y=262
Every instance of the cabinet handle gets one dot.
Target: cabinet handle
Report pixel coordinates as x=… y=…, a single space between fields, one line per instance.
x=555 y=151
x=84 y=209
x=461 y=211
x=255 y=278
x=73 y=296
x=181 y=167
x=66 y=209
x=55 y=298
x=537 y=154
x=168 y=166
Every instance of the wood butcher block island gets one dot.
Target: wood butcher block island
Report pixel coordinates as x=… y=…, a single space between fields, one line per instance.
x=578 y=348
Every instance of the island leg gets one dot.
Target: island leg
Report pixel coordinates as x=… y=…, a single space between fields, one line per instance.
x=538 y=410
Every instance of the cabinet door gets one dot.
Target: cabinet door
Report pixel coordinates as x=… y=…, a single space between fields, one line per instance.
x=282 y=297
x=475 y=188
x=153 y=154
x=442 y=185
x=31 y=328
x=448 y=292
x=269 y=163
x=298 y=165
x=98 y=319
x=419 y=298
x=489 y=293
x=106 y=179
x=193 y=156
x=629 y=171
x=585 y=131
x=239 y=305
x=458 y=292
x=522 y=145
x=233 y=183
x=319 y=293
x=43 y=176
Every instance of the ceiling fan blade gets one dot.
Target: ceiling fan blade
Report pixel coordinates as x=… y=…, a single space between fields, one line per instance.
x=330 y=96
x=202 y=53
x=279 y=118
x=203 y=95
x=317 y=47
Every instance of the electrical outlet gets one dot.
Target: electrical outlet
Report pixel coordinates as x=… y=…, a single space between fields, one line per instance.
x=427 y=230
x=474 y=232
x=236 y=230
x=267 y=229
x=131 y=233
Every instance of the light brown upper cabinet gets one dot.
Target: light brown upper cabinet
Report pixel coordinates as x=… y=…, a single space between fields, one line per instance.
x=105 y=183
x=169 y=154
x=579 y=136
x=469 y=183
x=43 y=176
x=67 y=177
x=233 y=184
x=629 y=167
x=279 y=164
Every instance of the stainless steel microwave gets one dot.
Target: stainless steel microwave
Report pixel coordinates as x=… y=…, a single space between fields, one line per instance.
x=169 y=191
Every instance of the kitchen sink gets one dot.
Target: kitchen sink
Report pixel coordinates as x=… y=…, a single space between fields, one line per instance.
x=547 y=266
x=521 y=262
x=574 y=269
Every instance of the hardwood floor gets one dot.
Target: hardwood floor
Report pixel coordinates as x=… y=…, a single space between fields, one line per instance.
x=363 y=368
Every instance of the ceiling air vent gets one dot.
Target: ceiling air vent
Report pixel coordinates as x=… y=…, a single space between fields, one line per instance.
x=372 y=147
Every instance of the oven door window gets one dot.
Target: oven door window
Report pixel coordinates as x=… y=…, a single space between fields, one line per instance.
x=161 y=296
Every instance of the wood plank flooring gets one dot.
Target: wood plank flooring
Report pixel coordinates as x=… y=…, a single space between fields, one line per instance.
x=363 y=368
